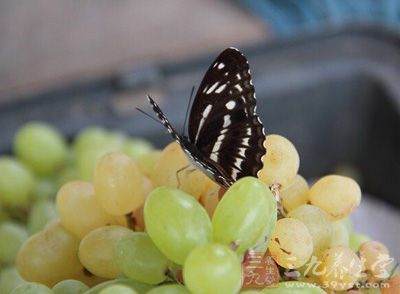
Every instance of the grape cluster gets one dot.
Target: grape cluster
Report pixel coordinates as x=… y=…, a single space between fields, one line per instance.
x=111 y=215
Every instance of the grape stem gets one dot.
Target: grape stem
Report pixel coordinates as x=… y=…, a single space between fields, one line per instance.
x=275 y=188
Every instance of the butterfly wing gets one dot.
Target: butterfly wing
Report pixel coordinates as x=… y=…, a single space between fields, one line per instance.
x=223 y=124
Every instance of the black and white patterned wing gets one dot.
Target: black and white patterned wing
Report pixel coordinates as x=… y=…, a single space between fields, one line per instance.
x=223 y=123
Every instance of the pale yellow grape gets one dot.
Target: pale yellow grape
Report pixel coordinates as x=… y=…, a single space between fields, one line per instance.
x=281 y=161
x=376 y=260
x=318 y=224
x=291 y=244
x=337 y=195
x=339 y=269
x=210 y=199
x=94 y=148
x=51 y=256
x=147 y=162
x=340 y=235
x=96 y=251
x=79 y=210
x=135 y=220
x=295 y=194
x=118 y=184
x=171 y=160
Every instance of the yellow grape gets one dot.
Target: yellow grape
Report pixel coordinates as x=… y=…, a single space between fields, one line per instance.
x=339 y=268
x=171 y=160
x=96 y=250
x=210 y=199
x=51 y=256
x=146 y=162
x=318 y=224
x=118 y=184
x=281 y=162
x=137 y=217
x=295 y=194
x=376 y=259
x=79 y=210
x=291 y=244
x=337 y=195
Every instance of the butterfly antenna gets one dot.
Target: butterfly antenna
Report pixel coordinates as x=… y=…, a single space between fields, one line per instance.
x=187 y=110
x=148 y=115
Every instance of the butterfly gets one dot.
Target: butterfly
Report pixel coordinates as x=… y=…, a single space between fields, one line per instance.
x=225 y=135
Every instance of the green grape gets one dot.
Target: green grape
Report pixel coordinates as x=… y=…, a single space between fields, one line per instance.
x=140 y=288
x=16 y=182
x=169 y=289
x=42 y=212
x=140 y=259
x=79 y=210
x=176 y=222
x=9 y=279
x=337 y=195
x=12 y=237
x=246 y=213
x=87 y=138
x=356 y=239
x=135 y=148
x=70 y=287
x=291 y=243
x=45 y=188
x=68 y=174
x=96 y=250
x=293 y=287
x=212 y=268
x=41 y=147
x=118 y=184
x=92 y=146
x=318 y=224
x=348 y=224
x=51 y=256
x=32 y=288
x=117 y=289
x=340 y=234
x=3 y=214
x=147 y=162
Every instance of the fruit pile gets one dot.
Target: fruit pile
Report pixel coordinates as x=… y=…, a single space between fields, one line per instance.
x=112 y=215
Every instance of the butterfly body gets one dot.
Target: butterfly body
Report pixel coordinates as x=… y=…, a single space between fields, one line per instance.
x=225 y=134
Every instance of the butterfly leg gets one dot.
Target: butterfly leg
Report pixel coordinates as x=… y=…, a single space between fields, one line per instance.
x=178 y=172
